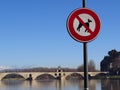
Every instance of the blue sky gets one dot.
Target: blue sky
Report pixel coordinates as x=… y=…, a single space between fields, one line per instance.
x=34 y=33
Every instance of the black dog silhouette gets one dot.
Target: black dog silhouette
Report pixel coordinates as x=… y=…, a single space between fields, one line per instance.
x=87 y=24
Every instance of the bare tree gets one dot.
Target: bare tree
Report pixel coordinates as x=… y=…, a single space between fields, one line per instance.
x=91 y=67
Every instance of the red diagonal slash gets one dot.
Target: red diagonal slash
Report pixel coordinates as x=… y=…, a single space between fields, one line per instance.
x=82 y=22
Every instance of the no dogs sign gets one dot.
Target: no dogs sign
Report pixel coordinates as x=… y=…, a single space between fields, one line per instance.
x=83 y=25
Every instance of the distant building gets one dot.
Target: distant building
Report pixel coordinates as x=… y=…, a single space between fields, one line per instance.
x=111 y=63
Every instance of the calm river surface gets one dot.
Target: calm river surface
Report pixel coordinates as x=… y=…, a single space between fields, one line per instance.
x=59 y=85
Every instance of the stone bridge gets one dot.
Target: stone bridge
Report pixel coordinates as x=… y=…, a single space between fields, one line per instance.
x=35 y=75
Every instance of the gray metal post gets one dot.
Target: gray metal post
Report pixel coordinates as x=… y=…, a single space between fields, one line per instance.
x=84 y=2
x=85 y=59
x=85 y=66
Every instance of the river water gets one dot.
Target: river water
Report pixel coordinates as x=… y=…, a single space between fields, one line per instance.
x=59 y=85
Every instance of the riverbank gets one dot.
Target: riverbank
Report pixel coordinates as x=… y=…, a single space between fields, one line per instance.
x=105 y=77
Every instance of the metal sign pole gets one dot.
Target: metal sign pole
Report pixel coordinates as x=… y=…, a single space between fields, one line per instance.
x=85 y=66
x=81 y=37
x=85 y=59
x=84 y=1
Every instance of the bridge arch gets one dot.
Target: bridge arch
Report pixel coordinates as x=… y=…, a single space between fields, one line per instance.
x=75 y=76
x=13 y=76
x=100 y=75
x=45 y=77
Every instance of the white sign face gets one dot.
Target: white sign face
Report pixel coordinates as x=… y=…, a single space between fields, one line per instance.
x=87 y=19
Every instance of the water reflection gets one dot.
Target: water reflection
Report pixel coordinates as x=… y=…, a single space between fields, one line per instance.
x=110 y=84
x=59 y=85
x=12 y=82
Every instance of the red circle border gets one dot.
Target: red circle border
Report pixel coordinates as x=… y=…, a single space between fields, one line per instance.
x=71 y=30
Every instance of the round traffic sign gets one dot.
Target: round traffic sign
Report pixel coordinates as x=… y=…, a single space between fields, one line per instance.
x=83 y=25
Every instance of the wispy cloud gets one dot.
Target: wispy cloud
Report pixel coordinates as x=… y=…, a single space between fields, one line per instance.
x=5 y=67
